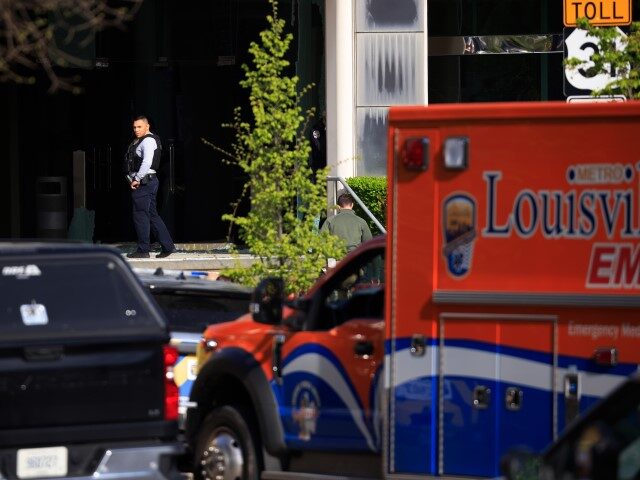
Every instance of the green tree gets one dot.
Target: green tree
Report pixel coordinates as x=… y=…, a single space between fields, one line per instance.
x=615 y=53
x=273 y=153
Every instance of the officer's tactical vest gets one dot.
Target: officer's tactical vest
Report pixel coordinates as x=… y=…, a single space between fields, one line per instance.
x=133 y=161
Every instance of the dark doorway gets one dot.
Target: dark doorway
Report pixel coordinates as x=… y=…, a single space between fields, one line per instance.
x=179 y=63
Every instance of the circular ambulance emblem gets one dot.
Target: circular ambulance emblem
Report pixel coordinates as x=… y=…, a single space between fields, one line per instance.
x=459 y=231
x=306 y=409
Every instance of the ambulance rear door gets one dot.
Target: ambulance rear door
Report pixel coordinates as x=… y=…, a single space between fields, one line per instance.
x=496 y=388
x=599 y=347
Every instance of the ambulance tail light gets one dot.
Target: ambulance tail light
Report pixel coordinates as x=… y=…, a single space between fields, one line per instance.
x=171 y=393
x=606 y=357
x=456 y=153
x=415 y=153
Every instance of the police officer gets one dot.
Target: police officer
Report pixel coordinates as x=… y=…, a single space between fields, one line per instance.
x=347 y=225
x=143 y=159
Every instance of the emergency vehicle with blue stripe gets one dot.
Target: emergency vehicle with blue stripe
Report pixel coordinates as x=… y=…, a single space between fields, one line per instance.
x=502 y=303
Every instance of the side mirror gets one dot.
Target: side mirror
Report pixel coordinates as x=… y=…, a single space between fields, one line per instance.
x=266 y=304
x=296 y=319
x=300 y=304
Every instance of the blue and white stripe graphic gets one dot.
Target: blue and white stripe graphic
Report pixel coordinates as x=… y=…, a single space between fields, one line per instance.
x=341 y=412
x=415 y=384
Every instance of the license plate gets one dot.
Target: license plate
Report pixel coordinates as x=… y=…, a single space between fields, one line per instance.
x=42 y=462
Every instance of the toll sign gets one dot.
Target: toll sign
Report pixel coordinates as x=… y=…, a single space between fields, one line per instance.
x=598 y=12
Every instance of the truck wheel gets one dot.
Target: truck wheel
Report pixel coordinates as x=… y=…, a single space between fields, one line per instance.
x=226 y=447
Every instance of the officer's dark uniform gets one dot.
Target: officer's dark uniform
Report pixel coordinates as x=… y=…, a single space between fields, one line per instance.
x=145 y=213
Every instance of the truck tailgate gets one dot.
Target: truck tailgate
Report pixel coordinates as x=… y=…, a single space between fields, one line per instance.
x=78 y=385
x=81 y=351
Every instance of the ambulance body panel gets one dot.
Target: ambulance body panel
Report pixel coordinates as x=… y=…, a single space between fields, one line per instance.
x=513 y=303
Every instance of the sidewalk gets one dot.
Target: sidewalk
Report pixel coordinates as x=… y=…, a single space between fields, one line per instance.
x=204 y=257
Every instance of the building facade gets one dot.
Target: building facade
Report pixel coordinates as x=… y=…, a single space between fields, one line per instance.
x=399 y=52
x=180 y=64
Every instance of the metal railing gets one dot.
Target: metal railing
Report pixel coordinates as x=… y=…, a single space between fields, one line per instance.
x=334 y=194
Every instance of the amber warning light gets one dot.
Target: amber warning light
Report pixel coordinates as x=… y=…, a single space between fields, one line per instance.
x=415 y=154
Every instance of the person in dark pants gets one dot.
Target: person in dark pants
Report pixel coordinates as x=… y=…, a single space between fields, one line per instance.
x=143 y=160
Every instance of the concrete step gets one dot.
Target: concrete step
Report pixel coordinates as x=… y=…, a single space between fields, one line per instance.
x=189 y=257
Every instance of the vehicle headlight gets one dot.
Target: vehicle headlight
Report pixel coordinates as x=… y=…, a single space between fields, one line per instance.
x=209 y=345
x=206 y=347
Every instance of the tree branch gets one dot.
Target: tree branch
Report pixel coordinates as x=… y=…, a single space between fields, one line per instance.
x=31 y=29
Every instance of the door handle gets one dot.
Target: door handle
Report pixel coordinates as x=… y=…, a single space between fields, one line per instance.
x=513 y=398
x=481 y=397
x=363 y=347
x=172 y=157
x=418 y=345
x=95 y=169
x=109 y=168
x=572 y=395
x=276 y=359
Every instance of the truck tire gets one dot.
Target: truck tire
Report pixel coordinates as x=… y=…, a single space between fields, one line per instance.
x=227 y=447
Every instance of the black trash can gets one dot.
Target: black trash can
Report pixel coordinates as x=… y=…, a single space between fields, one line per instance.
x=51 y=206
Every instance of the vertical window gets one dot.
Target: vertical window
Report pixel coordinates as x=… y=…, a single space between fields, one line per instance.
x=389 y=15
x=389 y=71
x=372 y=141
x=489 y=50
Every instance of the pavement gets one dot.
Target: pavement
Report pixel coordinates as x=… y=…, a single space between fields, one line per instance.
x=190 y=257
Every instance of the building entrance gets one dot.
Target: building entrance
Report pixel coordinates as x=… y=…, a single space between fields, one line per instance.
x=178 y=63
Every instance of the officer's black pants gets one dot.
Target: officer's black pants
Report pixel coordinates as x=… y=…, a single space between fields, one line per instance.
x=146 y=218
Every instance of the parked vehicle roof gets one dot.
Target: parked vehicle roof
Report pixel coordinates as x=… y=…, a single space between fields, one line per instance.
x=174 y=279
x=191 y=303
